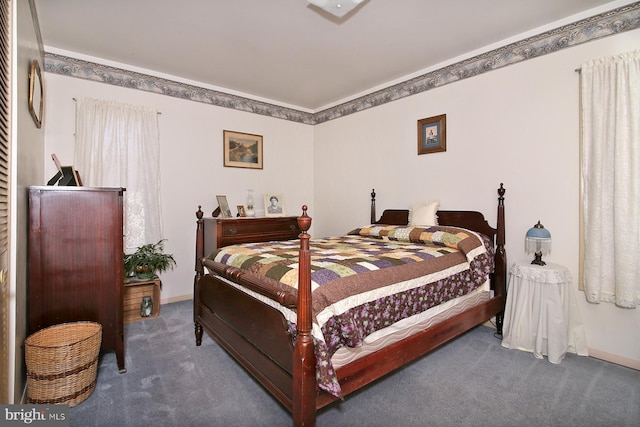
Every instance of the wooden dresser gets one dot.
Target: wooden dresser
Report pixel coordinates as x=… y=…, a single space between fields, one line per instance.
x=76 y=268
x=221 y=232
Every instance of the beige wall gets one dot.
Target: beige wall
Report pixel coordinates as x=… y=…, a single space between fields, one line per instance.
x=191 y=161
x=517 y=125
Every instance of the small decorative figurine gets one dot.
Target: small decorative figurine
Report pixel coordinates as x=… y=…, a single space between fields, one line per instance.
x=146 y=307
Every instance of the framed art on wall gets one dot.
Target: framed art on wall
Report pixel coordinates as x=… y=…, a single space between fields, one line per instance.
x=432 y=134
x=274 y=205
x=242 y=150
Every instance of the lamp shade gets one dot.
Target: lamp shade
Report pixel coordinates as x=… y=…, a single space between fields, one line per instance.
x=538 y=241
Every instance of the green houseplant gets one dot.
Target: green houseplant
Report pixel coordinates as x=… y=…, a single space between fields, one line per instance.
x=148 y=260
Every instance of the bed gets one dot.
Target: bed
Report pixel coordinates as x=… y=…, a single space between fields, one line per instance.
x=297 y=347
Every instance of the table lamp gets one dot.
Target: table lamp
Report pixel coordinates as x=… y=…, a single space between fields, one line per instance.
x=538 y=241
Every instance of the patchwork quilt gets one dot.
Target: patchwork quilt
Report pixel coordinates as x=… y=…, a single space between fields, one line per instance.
x=369 y=279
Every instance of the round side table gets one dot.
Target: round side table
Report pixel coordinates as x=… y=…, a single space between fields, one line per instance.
x=537 y=310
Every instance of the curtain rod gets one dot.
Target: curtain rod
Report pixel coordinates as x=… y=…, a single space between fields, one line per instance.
x=157 y=112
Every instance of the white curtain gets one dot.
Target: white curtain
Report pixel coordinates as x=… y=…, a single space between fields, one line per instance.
x=610 y=179
x=117 y=145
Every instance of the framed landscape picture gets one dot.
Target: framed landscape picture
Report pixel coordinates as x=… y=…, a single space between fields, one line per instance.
x=242 y=150
x=432 y=134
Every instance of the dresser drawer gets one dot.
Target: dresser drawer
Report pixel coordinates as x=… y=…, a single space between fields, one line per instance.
x=249 y=227
x=221 y=232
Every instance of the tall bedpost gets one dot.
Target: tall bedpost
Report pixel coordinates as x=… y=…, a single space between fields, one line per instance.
x=304 y=360
x=199 y=272
x=373 y=206
x=199 y=242
x=500 y=259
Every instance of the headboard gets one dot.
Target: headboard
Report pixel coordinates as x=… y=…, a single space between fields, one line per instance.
x=471 y=220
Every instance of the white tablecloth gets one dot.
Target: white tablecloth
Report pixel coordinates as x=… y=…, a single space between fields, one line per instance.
x=540 y=314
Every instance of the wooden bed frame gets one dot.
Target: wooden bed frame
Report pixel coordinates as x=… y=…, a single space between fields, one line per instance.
x=256 y=335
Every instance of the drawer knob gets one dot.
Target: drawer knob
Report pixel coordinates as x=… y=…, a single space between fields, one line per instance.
x=292 y=227
x=233 y=230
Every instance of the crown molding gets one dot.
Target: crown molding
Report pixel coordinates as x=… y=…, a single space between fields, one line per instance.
x=79 y=68
x=616 y=21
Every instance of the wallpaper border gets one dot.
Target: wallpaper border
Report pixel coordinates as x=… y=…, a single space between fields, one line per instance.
x=605 y=24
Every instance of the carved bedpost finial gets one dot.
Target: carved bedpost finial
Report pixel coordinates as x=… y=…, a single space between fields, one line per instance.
x=199 y=213
x=304 y=221
x=373 y=194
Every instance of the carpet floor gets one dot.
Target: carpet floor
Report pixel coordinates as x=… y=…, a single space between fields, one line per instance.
x=471 y=381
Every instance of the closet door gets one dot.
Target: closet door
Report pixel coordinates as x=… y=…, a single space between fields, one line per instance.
x=5 y=138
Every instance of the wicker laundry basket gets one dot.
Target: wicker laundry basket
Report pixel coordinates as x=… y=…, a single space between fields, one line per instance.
x=62 y=363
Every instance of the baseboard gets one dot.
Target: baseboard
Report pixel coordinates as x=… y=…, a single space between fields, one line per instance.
x=176 y=299
x=614 y=358
x=595 y=353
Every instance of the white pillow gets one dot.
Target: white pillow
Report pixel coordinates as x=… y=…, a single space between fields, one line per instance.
x=424 y=215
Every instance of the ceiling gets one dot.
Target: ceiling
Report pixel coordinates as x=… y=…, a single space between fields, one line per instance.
x=287 y=51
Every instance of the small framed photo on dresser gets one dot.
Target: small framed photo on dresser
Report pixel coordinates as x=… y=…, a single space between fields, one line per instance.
x=273 y=205
x=225 y=211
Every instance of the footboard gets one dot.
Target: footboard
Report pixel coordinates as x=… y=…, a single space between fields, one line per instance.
x=256 y=335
